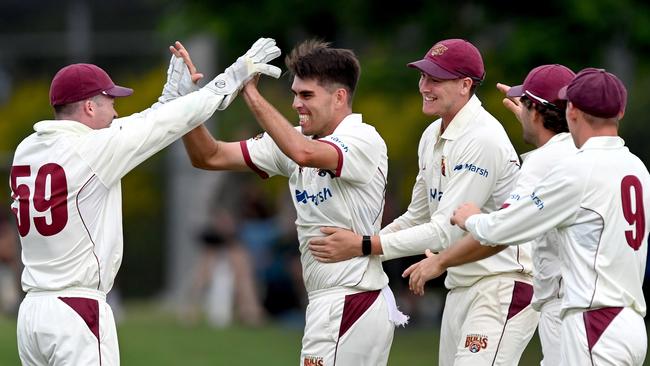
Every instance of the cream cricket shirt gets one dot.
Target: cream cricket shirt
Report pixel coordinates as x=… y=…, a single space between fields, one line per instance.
x=351 y=197
x=472 y=161
x=65 y=182
x=545 y=248
x=598 y=201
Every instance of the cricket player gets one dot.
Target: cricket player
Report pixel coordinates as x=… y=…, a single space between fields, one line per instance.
x=595 y=199
x=465 y=155
x=65 y=185
x=337 y=167
x=541 y=113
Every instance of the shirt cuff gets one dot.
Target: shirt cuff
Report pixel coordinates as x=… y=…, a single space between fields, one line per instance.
x=471 y=225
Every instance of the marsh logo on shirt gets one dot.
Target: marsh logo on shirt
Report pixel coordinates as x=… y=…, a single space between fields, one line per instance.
x=316 y=198
x=435 y=194
x=313 y=361
x=472 y=168
x=340 y=143
x=476 y=342
x=537 y=201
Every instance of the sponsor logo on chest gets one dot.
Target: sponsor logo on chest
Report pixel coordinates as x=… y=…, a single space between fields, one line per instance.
x=343 y=146
x=537 y=201
x=435 y=194
x=315 y=198
x=470 y=167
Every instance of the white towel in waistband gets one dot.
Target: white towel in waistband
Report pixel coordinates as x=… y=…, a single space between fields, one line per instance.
x=397 y=317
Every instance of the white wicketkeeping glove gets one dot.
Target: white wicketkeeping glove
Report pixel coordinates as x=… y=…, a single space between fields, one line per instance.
x=179 y=81
x=253 y=62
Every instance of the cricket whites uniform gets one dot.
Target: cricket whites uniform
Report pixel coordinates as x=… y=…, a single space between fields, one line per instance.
x=65 y=182
x=545 y=249
x=595 y=199
x=487 y=317
x=348 y=300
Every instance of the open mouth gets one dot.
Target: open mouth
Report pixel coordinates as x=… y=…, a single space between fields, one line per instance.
x=303 y=118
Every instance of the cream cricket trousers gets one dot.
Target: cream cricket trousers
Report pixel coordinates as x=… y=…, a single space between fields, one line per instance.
x=68 y=327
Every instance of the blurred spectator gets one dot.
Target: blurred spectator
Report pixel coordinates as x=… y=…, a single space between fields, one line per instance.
x=9 y=266
x=286 y=298
x=259 y=231
x=224 y=278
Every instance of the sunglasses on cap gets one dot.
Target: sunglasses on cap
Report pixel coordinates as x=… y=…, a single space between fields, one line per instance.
x=541 y=100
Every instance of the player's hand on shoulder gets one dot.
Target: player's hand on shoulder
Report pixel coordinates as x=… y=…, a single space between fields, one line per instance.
x=423 y=271
x=338 y=245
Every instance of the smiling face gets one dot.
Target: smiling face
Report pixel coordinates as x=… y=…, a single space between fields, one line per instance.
x=317 y=106
x=443 y=98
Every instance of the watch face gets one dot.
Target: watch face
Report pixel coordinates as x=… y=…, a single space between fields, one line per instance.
x=366 y=245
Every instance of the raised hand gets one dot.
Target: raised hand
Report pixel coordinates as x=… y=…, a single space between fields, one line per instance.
x=181 y=74
x=179 y=51
x=261 y=52
x=511 y=103
x=253 y=62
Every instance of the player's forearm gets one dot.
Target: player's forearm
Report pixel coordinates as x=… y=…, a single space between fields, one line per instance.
x=404 y=221
x=207 y=153
x=291 y=142
x=415 y=240
x=200 y=146
x=467 y=250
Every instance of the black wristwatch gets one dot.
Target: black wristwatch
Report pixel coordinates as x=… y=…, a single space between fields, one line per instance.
x=366 y=245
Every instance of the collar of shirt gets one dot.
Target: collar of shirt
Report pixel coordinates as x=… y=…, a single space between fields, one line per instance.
x=464 y=116
x=562 y=136
x=56 y=126
x=603 y=142
x=349 y=120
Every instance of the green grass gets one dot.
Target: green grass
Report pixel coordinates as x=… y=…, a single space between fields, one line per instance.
x=149 y=336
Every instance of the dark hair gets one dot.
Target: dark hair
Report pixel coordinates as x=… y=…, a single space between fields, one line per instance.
x=315 y=59
x=66 y=110
x=475 y=85
x=553 y=115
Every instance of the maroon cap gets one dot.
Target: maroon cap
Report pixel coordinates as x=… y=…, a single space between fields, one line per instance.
x=452 y=59
x=596 y=92
x=543 y=84
x=81 y=81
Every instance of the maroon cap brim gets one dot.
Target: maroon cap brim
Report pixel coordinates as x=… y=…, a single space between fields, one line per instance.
x=561 y=94
x=515 y=91
x=433 y=70
x=118 y=91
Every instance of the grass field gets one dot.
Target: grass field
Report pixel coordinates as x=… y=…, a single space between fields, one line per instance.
x=149 y=336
